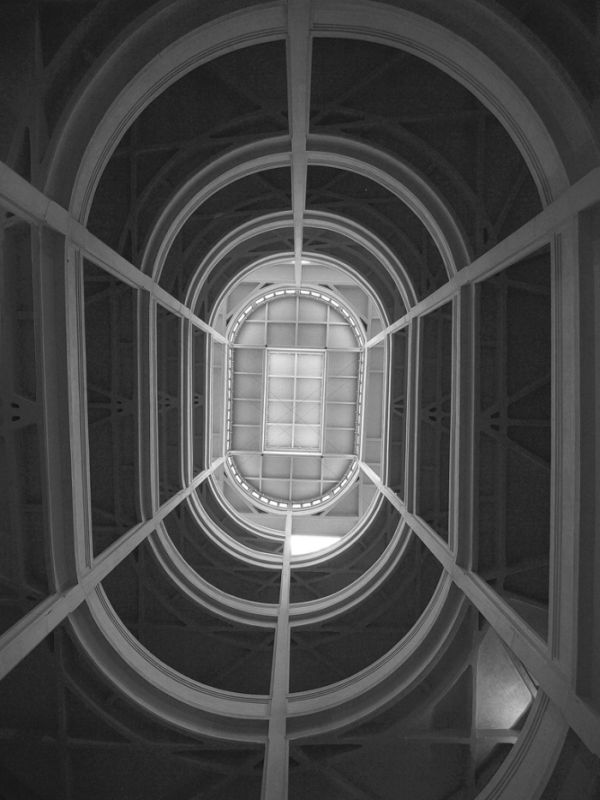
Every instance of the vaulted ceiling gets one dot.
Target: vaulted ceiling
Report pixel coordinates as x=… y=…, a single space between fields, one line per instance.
x=432 y=167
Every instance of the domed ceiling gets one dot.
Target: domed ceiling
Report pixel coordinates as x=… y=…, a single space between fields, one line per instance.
x=289 y=411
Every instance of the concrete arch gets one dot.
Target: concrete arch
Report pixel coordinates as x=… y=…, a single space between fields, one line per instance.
x=127 y=86
x=398 y=178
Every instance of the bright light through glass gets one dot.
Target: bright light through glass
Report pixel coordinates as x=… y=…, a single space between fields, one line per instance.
x=295 y=384
x=311 y=544
x=294 y=400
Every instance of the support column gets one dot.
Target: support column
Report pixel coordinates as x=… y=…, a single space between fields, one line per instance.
x=462 y=472
x=413 y=380
x=565 y=497
x=55 y=353
x=147 y=405
x=77 y=429
x=588 y=422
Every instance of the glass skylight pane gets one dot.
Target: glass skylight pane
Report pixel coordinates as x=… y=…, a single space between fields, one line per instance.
x=279 y=411
x=278 y=437
x=281 y=334
x=282 y=363
x=341 y=415
x=280 y=389
x=310 y=365
x=245 y=437
x=312 y=311
x=249 y=465
x=276 y=466
x=276 y=488
x=341 y=336
x=252 y=333
x=342 y=364
x=247 y=386
x=305 y=489
x=309 y=389
x=308 y=413
x=310 y=335
x=306 y=467
x=307 y=437
x=295 y=401
x=341 y=390
x=246 y=412
x=339 y=440
x=249 y=361
x=283 y=310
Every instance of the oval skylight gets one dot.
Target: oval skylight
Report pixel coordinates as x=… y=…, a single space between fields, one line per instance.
x=295 y=375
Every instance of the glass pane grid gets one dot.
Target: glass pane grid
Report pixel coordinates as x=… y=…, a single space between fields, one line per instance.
x=294 y=400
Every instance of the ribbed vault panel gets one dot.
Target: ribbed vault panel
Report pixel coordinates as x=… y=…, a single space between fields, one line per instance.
x=111 y=365
x=238 y=202
x=86 y=741
x=380 y=211
x=57 y=21
x=402 y=104
x=327 y=652
x=219 y=105
x=80 y=45
x=336 y=245
x=576 y=773
x=217 y=100
x=251 y=250
x=565 y=28
x=217 y=566
x=458 y=733
x=185 y=636
x=31 y=706
x=237 y=531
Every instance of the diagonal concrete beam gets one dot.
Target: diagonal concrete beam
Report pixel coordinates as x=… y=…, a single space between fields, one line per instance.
x=524 y=241
x=23 y=637
x=275 y=773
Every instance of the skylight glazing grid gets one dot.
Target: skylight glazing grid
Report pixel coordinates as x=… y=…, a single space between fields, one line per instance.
x=294 y=401
x=293 y=432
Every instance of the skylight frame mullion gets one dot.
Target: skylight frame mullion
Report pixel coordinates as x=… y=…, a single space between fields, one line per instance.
x=323 y=396
x=294 y=392
x=264 y=391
